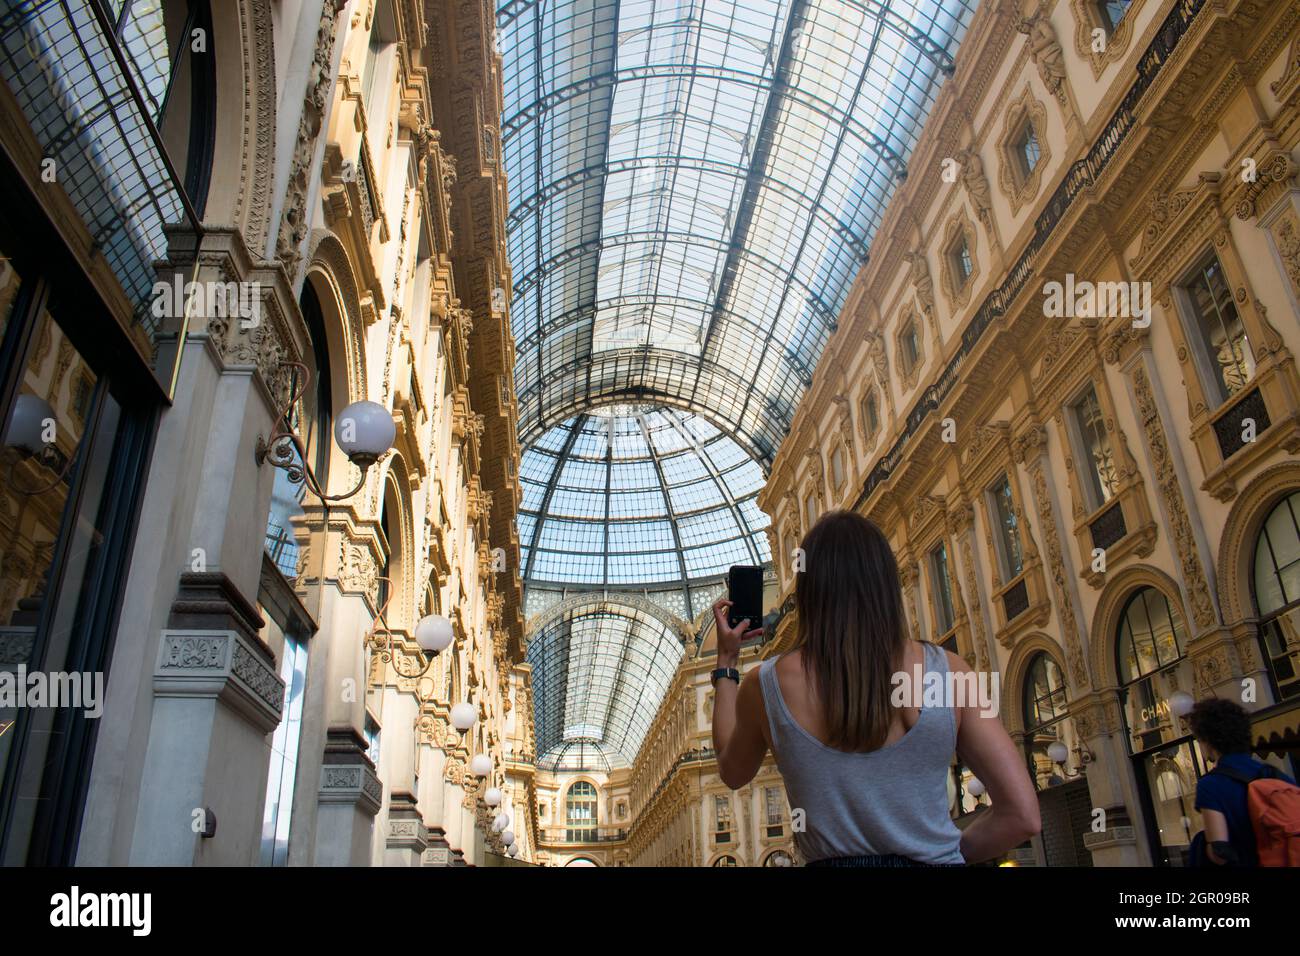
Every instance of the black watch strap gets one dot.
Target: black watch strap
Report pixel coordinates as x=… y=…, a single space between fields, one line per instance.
x=728 y=672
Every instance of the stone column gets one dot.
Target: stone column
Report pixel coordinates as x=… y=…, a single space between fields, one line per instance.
x=1114 y=839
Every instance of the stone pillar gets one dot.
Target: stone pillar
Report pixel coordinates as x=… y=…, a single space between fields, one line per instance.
x=350 y=796
x=1110 y=783
x=407 y=837
x=216 y=690
x=217 y=695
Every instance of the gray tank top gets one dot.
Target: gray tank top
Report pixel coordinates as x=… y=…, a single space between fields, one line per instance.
x=891 y=800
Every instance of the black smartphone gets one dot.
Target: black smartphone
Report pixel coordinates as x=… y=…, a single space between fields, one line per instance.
x=745 y=592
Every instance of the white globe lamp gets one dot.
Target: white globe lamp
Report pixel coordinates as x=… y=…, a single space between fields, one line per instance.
x=463 y=716
x=507 y=837
x=433 y=634
x=1057 y=752
x=365 y=431
x=975 y=787
x=492 y=797
x=1181 y=703
x=480 y=765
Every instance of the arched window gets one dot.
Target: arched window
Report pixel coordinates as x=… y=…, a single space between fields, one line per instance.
x=725 y=861
x=1046 y=722
x=1149 y=651
x=580 y=813
x=1277 y=594
x=778 y=858
x=311 y=418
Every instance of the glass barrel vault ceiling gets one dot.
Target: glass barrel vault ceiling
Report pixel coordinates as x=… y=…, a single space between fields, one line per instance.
x=630 y=497
x=599 y=674
x=694 y=184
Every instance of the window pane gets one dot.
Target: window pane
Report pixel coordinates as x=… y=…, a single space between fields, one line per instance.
x=1008 y=529
x=1101 y=482
x=1222 y=335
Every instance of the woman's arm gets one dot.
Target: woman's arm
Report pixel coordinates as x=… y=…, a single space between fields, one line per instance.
x=984 y=745
x=737 y=711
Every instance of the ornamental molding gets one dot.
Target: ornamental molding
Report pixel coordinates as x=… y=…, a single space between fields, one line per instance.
x=1166 y=480
x=220 y=664
x=1020 y=191
x=293 y=223
x=1087 y=20
x=959 y=225
x=1061 y=583
x=259 y=98
x=354 y=784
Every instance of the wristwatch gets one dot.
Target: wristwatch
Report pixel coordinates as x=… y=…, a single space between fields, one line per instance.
x=728 y=672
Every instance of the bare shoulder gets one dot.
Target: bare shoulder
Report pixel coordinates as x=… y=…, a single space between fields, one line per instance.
x=958 y=664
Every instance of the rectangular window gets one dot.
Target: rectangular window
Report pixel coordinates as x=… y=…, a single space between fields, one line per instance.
x=1008 y=529
x=721 y=819
x=1217 y=331
x=837 y=467
x=942 y=589
x=959 y=257
x=871 y=413
x=775 y=814
x=911 y=347
x=1097 y=460
x=809 y=511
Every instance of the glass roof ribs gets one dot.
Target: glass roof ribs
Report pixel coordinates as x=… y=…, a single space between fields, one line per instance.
x=695 y=183
x=600 y=671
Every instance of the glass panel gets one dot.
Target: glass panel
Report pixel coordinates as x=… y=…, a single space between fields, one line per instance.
x=1171 y=777
x=55 y=403
x=1277 y=557
x=1222 y=335
x=1150 y=635
x=283 y=771
x=10 y=280
x=942 y=588
x=1112 y=12
x=1100 y=479
x=1008 y=529
x=1281 y=638
x=1147 y=712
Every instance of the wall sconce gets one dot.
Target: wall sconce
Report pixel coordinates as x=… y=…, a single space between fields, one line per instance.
x=1058 y=753
x=501 y=822
x=365 y=431
x=514 y=849
x=507 y=838
x=25 y=434
x=481 y=765
x=434 y=634
x=493 y=799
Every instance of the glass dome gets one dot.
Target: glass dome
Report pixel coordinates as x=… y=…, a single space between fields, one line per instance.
x=636 y=496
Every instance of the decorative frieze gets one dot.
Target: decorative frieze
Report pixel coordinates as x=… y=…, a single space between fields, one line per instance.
x=1166 y=479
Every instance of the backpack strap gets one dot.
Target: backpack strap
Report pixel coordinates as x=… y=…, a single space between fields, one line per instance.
x=1267 y=771
x=1239 y=775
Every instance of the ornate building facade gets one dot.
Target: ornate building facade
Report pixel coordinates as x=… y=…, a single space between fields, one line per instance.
x=332 y=166
x=1065 y=386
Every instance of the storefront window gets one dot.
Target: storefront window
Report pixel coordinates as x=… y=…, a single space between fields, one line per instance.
x=1277 y=594
x=1149 y=651
x=1047 y=723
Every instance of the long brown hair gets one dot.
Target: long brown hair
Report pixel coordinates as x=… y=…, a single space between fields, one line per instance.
x=851 y=627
